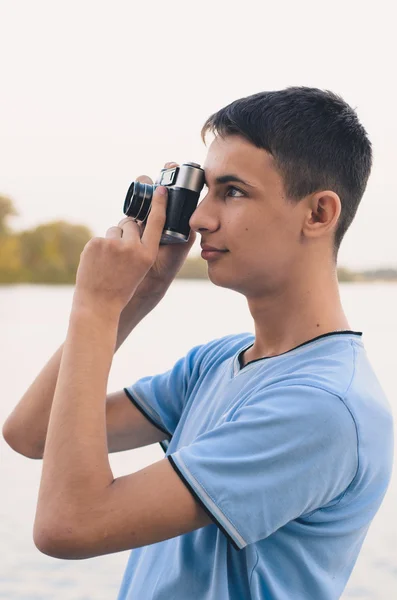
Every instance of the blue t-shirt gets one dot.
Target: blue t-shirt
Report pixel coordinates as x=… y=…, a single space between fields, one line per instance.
x=290 y=455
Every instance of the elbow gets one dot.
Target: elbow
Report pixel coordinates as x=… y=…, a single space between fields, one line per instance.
x=16 y=444
x=57 y=542
x=68 y=540
x=46 y=542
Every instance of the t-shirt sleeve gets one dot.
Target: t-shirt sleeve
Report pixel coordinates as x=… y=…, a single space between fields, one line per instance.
x=286 y=451
x=161 y=398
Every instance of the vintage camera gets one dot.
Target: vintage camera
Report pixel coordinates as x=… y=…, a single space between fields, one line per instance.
x=184 y=185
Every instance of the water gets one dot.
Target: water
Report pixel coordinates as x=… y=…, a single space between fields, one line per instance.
x=33 y=323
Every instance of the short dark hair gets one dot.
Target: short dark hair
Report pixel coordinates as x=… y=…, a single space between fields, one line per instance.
x=315 y=138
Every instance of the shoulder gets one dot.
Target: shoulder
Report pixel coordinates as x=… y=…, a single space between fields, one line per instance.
x=304 y=406
x=328 y=364
x=224 y=346
x=303 y=424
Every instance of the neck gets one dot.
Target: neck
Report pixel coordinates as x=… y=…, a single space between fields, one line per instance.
x=300 y=311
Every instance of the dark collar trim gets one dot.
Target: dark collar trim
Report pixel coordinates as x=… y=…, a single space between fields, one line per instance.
x=344 y=332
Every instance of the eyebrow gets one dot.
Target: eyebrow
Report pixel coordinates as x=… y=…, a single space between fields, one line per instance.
x=228 y=179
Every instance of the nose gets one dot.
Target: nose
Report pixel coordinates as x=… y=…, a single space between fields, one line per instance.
x=204 y=217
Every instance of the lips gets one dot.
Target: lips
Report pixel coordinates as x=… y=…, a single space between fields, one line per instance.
x=207 y=248
x=211 y=253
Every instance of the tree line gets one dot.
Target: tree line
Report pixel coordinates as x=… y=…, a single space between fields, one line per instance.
x=50 y=253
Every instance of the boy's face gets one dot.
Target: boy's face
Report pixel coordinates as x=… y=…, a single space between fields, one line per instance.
x=251 y=219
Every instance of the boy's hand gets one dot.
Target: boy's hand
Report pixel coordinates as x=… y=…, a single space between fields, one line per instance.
x=169 y=260
x=129 y=262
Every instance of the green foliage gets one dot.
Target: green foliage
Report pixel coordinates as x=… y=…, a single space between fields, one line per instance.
x=49 y=253
x=7 y=210
x=10 y=259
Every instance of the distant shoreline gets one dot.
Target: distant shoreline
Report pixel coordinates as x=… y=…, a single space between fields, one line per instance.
x=196 y=268
x=199 y=274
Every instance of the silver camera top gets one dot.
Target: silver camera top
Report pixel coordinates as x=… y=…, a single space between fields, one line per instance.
x=189 y=176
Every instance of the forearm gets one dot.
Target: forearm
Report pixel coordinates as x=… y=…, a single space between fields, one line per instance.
x=76 y=467
x=25 y=429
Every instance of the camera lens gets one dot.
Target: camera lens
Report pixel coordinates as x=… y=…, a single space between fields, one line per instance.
x=138 y=200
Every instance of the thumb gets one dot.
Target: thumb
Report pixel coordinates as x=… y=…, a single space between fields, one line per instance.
x=192 y=239
x=185 y=248
x=177 y=253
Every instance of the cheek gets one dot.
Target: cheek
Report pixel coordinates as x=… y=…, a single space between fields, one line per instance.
x=257 y=241
x=240 y=223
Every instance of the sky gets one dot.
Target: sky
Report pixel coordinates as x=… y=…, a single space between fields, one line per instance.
x=94 y=94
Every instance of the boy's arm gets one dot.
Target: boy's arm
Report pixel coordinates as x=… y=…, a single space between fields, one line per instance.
x=25 y=429
x=82 y=510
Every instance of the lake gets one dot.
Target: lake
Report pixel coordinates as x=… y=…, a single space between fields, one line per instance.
x=33 y=324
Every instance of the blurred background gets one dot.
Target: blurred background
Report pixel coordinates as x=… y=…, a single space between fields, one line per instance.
x=95 y=93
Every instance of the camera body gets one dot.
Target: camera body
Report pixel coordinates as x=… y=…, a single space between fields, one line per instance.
x=184 y=185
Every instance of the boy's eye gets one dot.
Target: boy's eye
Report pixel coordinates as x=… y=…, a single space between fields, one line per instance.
x=234 y=192
x=231 y=191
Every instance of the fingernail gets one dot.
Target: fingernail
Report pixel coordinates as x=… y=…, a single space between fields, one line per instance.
x=162 y=190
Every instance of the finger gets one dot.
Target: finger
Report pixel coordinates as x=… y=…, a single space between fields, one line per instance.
x=139 y=224
x=155 y=223
x=131 y=230
x=114 y=232
x=169 y=165
x=125 y=220
x=144 y=179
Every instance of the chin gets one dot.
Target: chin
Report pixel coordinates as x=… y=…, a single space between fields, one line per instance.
x=221 y=280
x=248 y=287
